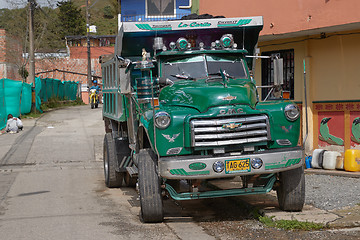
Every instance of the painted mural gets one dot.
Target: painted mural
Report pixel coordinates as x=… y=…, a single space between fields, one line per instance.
x=355 y=128
x=338 y=124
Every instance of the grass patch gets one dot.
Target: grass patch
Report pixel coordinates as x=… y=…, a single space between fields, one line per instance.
x=290 y=224
x=54 y=103
x=285 y=224
x=32 y=114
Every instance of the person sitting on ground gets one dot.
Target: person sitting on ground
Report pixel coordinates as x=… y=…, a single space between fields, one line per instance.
x=13 y=124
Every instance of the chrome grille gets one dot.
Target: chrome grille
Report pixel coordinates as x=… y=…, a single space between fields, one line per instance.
x=230 y=130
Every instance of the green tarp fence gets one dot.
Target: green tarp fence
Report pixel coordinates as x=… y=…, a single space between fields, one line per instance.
x=15 y=96
x=15 y=99
x=54 y=88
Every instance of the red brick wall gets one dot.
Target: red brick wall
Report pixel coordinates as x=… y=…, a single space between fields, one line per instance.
x=2 y=46
x=10 y=56
x=77 y=62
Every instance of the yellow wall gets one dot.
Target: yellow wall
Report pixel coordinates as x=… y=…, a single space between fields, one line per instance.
x=332 y=68
x=335 y=67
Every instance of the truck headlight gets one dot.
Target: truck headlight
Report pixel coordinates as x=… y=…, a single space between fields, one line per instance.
x=162 y=120
x=292 y=112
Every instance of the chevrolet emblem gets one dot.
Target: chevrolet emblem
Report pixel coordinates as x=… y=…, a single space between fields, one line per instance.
x=229 y=98
x=232 y=125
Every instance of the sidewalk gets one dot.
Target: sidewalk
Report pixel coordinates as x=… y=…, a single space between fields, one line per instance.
x=348 y=217
x=7 y=140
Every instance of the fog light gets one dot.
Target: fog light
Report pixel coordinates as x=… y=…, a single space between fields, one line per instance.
x=256 y=163
x=218 y=166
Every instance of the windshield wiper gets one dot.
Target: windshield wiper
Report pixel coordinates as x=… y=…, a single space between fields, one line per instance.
x=179 y=76
x=219 y=74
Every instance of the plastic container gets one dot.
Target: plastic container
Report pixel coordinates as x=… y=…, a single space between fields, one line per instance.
x=317 y=158
x=340 y=162
x=308 y=161
x=352 y=160
x=329 y=160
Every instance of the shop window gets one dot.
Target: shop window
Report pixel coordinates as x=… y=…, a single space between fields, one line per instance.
x=156 y=8
x=267 y=72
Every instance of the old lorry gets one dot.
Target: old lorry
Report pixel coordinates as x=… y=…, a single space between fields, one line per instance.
x=183 y=117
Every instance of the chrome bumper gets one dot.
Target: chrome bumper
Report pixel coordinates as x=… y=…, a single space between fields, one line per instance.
x=274 y=161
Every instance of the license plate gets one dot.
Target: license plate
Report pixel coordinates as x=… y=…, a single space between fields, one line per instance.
x=234 y=166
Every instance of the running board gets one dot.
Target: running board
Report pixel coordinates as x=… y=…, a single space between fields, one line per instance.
x=221 y=193
x=133 y=171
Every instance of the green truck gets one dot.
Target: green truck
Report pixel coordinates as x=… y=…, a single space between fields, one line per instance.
x=183 y=117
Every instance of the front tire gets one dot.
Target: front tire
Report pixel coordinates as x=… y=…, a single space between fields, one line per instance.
x=149 y=188
x=291 y=192
x=112 y=178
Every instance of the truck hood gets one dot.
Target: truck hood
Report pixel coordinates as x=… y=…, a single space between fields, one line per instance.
x=201 y=95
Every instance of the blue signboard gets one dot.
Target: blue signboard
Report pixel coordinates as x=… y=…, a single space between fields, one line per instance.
x=153 y=10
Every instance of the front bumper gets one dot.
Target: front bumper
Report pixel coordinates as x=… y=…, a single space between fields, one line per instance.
x=277 y=160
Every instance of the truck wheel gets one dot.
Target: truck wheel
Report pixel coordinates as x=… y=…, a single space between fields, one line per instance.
x=149 y=188
x=112 y=178
x=291 y=192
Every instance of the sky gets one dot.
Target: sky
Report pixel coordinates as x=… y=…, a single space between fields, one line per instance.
x=22 y=3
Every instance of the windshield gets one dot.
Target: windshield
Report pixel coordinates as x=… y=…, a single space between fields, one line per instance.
x=203 y=66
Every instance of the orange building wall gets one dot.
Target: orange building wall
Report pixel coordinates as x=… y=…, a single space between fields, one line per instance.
x=287 y=15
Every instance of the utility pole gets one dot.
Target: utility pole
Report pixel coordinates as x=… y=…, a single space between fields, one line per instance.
x=31 y=52
x=31 y=43
x=88 y=45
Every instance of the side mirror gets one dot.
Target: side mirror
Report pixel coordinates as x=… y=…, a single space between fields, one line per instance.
x=163 y=81
x=278 y=71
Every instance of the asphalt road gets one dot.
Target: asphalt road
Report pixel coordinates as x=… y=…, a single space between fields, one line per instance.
x=51 y=187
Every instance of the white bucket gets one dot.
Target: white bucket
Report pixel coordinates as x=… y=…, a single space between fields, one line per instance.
x=329 y=160
x=317 y=158
x=340 y=162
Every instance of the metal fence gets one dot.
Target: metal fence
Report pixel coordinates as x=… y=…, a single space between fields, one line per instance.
x=145 y=18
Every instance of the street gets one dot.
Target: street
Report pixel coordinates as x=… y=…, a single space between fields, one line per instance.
x=52 y=187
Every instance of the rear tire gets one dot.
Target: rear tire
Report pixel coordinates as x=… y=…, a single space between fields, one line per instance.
x=149 y=188
x=291 y=192
x=112 y=178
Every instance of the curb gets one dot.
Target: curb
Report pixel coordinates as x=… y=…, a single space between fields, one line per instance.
x=339 y=173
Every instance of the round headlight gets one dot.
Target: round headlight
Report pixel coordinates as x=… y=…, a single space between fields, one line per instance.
x=218 y=166
x=292 y=112
x=162 y=120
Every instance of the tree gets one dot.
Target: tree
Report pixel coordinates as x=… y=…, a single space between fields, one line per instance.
x=108 y=12
x=71 y=18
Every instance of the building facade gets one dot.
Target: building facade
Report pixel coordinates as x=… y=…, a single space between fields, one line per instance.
x=10 y=57
x=325 y=35
x=72 y=66
x=154 y=10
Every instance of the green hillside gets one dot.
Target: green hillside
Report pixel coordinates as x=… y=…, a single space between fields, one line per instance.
x=52 y=25
x=103 y=14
